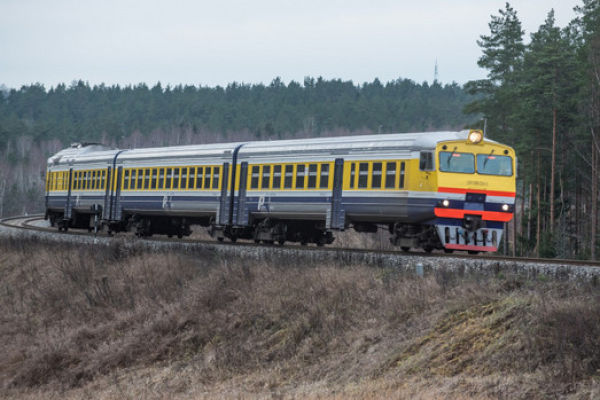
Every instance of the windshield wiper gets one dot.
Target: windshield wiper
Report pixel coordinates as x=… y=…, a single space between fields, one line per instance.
x=451 y=155
x=487 y=158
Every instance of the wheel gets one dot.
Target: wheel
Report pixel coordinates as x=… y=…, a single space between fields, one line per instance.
x=428 y=249
x=473 y=252
x=448 y=251
x=220 y=239
x=405 y=249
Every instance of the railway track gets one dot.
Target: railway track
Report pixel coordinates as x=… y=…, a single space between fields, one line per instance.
x=417 y=262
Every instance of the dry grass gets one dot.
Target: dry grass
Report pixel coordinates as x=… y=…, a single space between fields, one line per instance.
x=113 y=323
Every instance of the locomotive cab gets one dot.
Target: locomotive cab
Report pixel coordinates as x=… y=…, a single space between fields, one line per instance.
x=475 y=192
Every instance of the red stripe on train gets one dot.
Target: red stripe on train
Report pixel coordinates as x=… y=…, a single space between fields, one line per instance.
x=470 y=247
x=485 y=215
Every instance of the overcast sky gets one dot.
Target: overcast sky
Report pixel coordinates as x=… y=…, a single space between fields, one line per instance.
x=216 y=42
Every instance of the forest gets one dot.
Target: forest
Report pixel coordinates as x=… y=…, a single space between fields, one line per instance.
x=541 y=95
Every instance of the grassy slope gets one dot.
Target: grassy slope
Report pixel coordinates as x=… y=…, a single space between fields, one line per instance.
x=108 y=323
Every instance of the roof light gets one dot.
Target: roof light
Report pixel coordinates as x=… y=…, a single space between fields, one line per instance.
x=475 y=136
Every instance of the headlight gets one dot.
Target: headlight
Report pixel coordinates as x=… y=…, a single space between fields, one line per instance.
x=475 y=136
x=505 y=207
x=446 y=202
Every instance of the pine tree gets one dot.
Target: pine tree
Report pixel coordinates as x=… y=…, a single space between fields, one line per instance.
x=503 y=52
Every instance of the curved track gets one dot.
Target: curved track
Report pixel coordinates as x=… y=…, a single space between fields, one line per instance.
x=37 y=223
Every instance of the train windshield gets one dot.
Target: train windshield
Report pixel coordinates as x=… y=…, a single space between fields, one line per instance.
x=491 y=164
x=452 y=161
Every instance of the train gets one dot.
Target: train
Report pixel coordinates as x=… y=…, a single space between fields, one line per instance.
x=451 y=190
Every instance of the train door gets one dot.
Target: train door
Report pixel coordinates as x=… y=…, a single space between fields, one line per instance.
x=107 y=195
x=241 y=212
x=48 y=183
x=426 y=167
x=337 y=218
x=115 y=203
x=223 y=210
x=68 y=205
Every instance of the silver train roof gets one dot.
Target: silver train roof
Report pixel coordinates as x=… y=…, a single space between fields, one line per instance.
x=91 y=153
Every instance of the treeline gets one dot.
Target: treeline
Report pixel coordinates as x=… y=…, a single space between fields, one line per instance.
x=36 y=122
x=543 y=97
x=81 y=112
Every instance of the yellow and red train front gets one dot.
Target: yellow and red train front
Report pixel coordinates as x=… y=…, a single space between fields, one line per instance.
x=476 y=193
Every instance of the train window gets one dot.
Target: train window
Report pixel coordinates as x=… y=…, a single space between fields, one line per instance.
x=312 y=176
x=132 y=179
x=146 y=179
x=216 y=173
x=126 y=174
x=153 y=178
x=161 y=179
x=266 y=177
x=376 y=178
x=452 y=161
x=402 y=167
x=139 y=179
x=184 y=178
x=324 y=180
x=104 y=178
x=300 y=172
x=168 y=178
x=277 y=177
x=254 y=176
x=490 y=164
x=352 y=175
x=190 y=177
x=97 y=180
x=390 y=175
x=363 y=175
x=426 y=161
x=207 y=174
x=176 y=176
x=289 y=176
x=199 y=177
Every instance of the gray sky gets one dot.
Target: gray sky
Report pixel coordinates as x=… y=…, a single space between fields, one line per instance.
x=216 y=42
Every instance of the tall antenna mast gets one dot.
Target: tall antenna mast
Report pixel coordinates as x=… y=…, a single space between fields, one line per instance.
x=435 y=72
